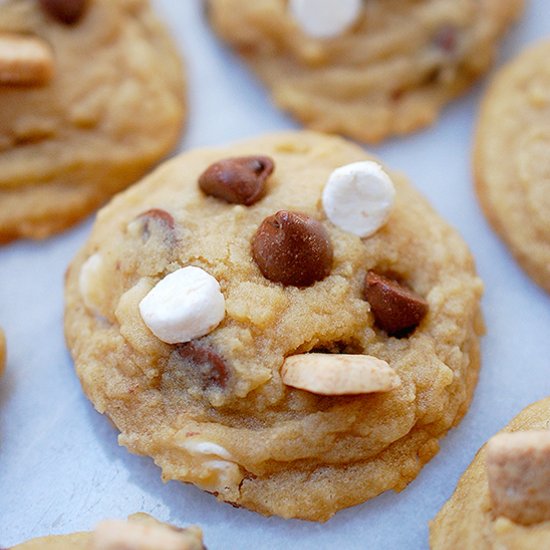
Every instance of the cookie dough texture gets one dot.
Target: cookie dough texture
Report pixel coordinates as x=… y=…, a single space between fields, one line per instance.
x=114 y=107
x=191 y=538
x=511 y=162
x=252 y=440
x=391 y=73
x=467 y=521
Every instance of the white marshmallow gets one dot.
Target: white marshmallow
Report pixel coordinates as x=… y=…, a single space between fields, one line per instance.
x=197 y=447
x=325 y=18
x=359 y=197
x=186 y=304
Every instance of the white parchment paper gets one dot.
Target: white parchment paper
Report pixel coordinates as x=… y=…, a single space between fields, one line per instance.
x=61 y=468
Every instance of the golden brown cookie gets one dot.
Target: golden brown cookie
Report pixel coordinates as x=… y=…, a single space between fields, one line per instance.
x=388 y=69
x=140 y=532
x=92 y=97
x=502 y=500
x=2 y=351
x=511 y=166
x=311 y=368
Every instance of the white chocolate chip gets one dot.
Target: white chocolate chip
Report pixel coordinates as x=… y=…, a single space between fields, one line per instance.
x=25 y=60
x=123 y=535
x=325 y=18
x=518 y=472
x=359 y=197
x=90 y=282
x=186 y=304
x=333 y=374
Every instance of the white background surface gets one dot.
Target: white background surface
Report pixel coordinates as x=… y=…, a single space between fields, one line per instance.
x=60 y=466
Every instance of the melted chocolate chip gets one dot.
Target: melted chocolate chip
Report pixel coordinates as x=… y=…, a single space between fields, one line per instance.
x=67 y=12
x=446 y=39
x=292 y=249
x=211 y=368
x=155 y=219
x=238 y=180
x=397 y=309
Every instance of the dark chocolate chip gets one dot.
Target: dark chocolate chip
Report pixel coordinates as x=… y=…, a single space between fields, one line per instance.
x=67 y=12
x=155 y=218
x=207 y=363
x=292 y=249
x=397 y=309
x=238 y=180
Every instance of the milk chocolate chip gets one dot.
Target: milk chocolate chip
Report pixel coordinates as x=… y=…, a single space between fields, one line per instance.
x=67 y=12
x=292 y=249
x=397 y=309
x=210 y=367
x=151 y=221
x=238 y=180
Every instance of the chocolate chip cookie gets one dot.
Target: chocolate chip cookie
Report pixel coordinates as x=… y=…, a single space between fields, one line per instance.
x=511 y=165
x=2 y=351
x=140 y=532
x=281 y=322
x=503 y=498
x=367 y=69
x=92 y=97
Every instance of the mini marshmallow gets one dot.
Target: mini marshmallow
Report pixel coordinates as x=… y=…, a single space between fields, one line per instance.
x=359 y=197
x=186 y=304
x=325 y=18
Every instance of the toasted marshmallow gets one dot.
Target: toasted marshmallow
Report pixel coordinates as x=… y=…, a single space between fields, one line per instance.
x=325 y=18
x=359 y=197
x=186 y=304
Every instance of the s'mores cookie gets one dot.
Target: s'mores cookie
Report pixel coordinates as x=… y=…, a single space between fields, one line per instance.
x=511 y=166
x=367 y=69
x=140 y=532
x=92 y=95
x=503 y=499
x=281 y=322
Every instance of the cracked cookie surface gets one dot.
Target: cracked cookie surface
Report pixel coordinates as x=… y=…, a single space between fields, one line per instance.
x=511 y=166
x=389 y=73
x=108 y=109
x=467 y=520
x=214 y=411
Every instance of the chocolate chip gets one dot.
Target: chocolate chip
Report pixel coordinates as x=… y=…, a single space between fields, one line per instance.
x=446 y=38
x=210 y=367
x=397 y=309
x=238 y=180
x=67 y=12
x=155 y=218
x=292 y=249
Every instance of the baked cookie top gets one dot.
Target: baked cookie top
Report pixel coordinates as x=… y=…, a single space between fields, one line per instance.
x=304 y=304
x=511 y=166
x=82 y=114
x=140 y=532
x=503 y=498
x=367 y=69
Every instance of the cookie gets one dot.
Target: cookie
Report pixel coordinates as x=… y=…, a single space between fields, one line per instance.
x=279 y=322
x=2 y=351
x=366 y=69
x=140 y=532
x=503 y=498
x=92 y=97
x=511 y=168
